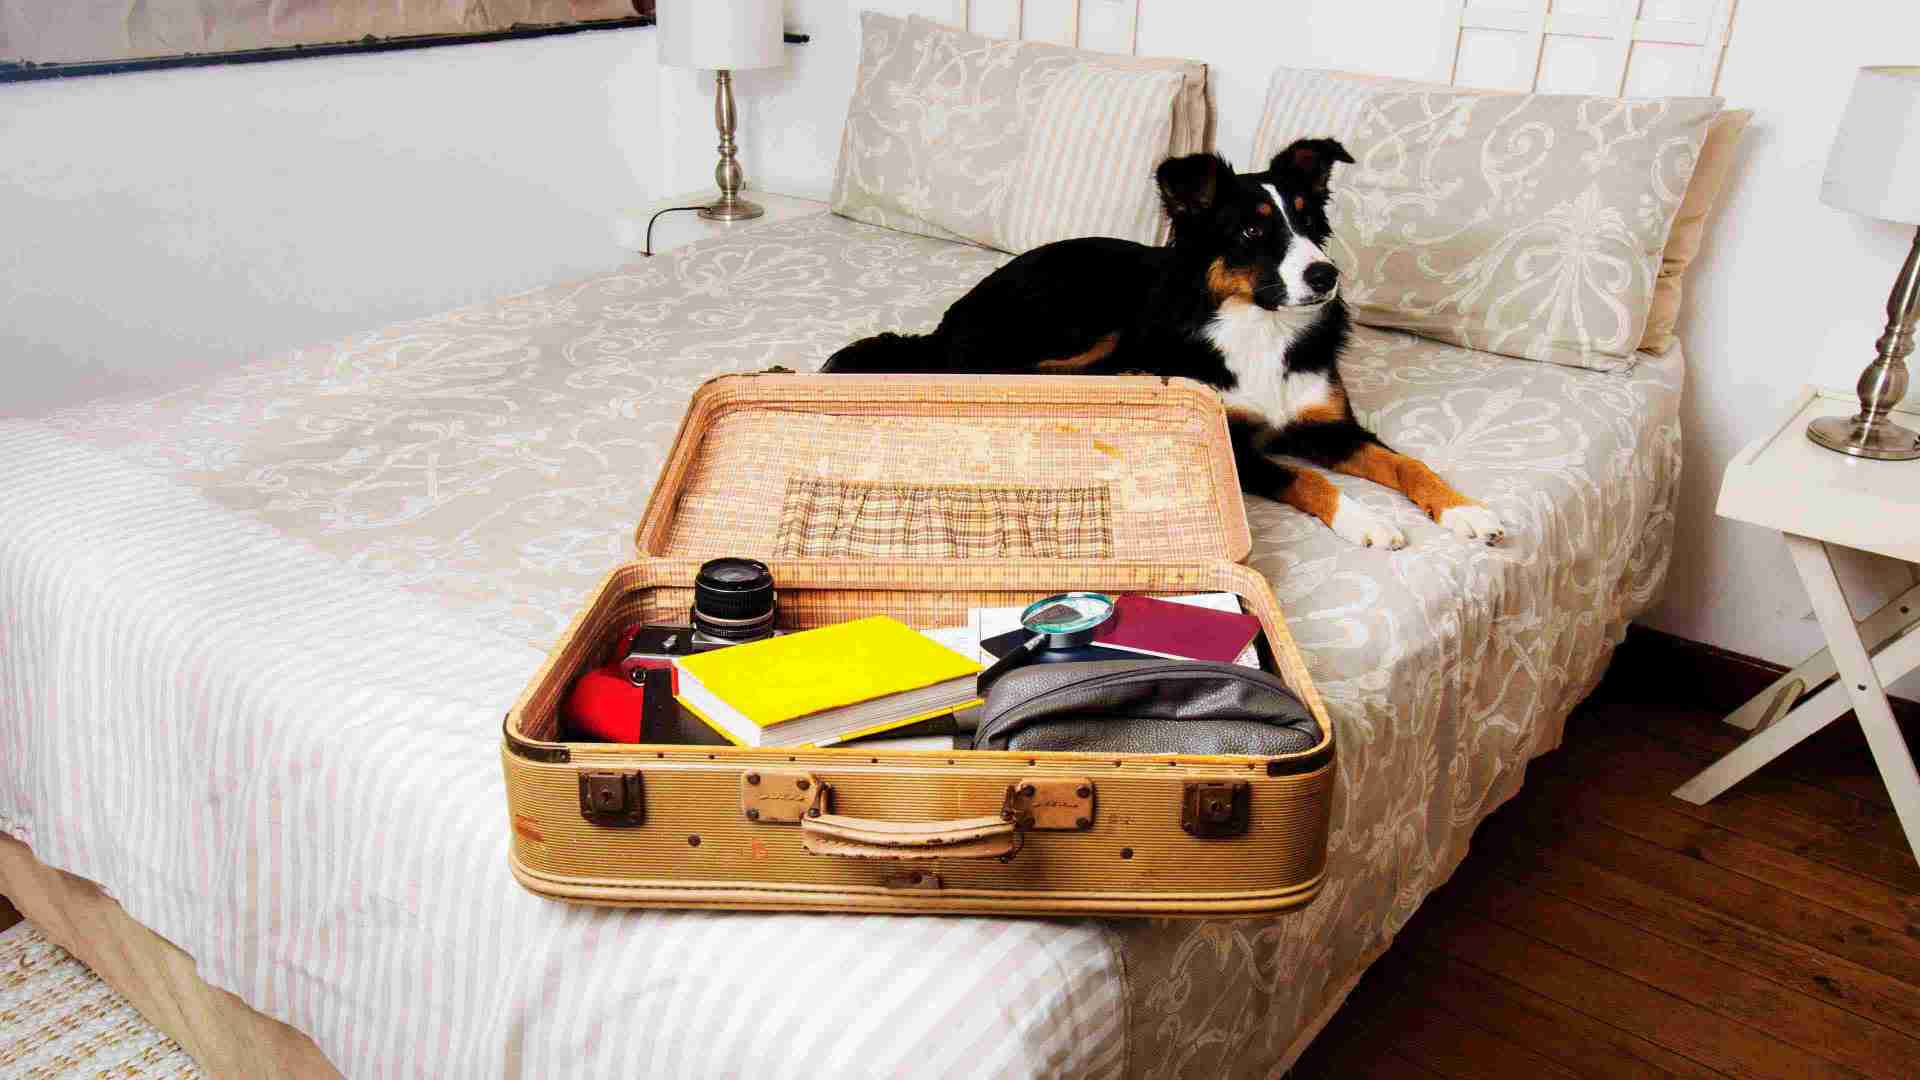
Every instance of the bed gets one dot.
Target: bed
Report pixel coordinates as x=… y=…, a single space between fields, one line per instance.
x=231 y=611
x=236 y=619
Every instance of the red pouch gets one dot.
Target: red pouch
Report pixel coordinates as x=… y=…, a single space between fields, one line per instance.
x=620 y=702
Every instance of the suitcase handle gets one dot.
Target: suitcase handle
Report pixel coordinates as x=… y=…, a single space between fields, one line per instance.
x=864 y=838
x=992 y=837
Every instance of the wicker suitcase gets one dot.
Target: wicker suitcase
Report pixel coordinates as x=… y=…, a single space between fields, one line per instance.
x=865 y=495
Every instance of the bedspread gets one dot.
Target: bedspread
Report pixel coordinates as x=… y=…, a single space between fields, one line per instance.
x=258 y=635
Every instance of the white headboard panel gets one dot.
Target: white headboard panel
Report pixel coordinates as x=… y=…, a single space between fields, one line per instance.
x=1110 y=26
x=1639 y=48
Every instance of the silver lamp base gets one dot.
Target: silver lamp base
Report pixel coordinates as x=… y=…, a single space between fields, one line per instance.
x=1883 y=441
x=728 y=174
x=732 y=208
x=1871 y=433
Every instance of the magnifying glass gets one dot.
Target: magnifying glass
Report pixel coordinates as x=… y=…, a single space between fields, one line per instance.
x=1063 y=621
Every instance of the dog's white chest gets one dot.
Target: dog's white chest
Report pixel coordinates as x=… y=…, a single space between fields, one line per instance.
x=1254 y=342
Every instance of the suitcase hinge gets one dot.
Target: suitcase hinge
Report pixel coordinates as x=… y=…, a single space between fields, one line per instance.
x=614 y=799
x=1215 y=809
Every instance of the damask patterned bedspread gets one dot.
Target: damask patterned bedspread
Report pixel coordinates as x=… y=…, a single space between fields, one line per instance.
x=420 y=509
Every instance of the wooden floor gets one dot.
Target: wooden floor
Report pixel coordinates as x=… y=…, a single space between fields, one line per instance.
x=1603 y=928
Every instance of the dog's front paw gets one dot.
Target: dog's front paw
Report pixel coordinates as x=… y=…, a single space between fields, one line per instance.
x=1471 y=522
x=1364 y=527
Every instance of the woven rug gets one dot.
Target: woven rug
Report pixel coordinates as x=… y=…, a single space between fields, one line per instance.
x=58 y=1021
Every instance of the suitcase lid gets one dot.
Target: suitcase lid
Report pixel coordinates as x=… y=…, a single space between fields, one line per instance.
x=941 y=467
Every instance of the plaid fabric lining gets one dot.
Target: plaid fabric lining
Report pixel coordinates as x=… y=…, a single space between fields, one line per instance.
x=825 y=517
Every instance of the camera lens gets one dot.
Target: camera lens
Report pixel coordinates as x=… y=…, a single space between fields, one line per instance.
x=734 y=599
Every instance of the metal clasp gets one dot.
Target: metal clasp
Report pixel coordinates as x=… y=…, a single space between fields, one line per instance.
x=1215 y=809
x=614 y=799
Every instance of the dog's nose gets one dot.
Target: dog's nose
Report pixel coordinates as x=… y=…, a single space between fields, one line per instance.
x=1322 y=276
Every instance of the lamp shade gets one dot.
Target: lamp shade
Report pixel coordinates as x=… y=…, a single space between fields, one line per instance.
x=715 y=34
x=1874 y=166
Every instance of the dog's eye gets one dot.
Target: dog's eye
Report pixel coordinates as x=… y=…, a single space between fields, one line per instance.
x=1251 y=232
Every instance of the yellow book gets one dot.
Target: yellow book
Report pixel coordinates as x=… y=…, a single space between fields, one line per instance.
x=819 y=687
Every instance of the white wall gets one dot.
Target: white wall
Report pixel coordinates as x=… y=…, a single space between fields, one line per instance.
x=231 y=212
x=790 y=117
x=1787 y=290
x=159 y=225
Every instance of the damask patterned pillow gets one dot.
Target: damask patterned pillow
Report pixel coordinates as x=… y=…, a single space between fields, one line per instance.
x=1710 y=174
x=1010 y=144
x=1530 y=225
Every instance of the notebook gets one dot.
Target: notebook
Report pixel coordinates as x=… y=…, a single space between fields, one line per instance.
x=820 y=687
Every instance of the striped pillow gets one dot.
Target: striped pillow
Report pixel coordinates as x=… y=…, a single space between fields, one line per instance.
x=1530 y=225
x=1010 y=144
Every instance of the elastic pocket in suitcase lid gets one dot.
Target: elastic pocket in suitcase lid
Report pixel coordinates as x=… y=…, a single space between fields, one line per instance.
x=1050 y=467
x=824 y=517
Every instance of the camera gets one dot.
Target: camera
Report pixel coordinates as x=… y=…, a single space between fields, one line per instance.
x=733 y=603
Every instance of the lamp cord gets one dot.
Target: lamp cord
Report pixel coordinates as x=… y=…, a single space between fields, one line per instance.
x=648 y=249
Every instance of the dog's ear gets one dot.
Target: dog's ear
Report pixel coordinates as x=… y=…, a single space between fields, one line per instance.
x=1189 y=185
x=1309 y=163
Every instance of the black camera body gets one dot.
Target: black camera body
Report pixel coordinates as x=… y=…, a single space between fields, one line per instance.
x=733 y=603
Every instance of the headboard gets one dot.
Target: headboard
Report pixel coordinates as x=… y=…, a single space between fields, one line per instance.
x=1635 y=48
x=1638 y=48
x=1110 y=26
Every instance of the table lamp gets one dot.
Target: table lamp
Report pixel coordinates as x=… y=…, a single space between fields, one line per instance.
x=723 y=36
x=1874 y=169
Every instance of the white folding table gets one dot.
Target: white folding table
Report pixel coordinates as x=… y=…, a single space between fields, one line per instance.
x=1819 y=500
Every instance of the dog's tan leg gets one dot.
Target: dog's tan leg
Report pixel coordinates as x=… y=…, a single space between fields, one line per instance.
x=1312 y=492
x=1254 y=442
x=1466 y=518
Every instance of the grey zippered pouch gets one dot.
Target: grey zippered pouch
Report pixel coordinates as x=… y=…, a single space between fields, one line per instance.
x=1146 y=706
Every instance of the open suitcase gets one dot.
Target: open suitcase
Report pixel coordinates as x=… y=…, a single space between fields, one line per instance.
x=859 y=492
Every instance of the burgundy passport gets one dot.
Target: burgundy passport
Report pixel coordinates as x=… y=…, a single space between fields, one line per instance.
x=1178 y=631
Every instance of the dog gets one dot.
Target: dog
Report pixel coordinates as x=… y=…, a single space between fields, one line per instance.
x=1243 y=298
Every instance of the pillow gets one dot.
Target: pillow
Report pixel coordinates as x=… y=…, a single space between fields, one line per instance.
x=1530 y=225
x=1010 y=144
x=1690 y=227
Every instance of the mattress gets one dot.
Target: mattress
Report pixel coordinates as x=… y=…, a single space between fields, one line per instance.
x=229 y=614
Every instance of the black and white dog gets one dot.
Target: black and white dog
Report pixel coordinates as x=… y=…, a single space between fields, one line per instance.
x=1243 y=298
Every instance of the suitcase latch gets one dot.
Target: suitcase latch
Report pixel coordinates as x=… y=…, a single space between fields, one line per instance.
x=614 y=799
x=1215 y=809
x=910 y=879
x=1053 y=803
